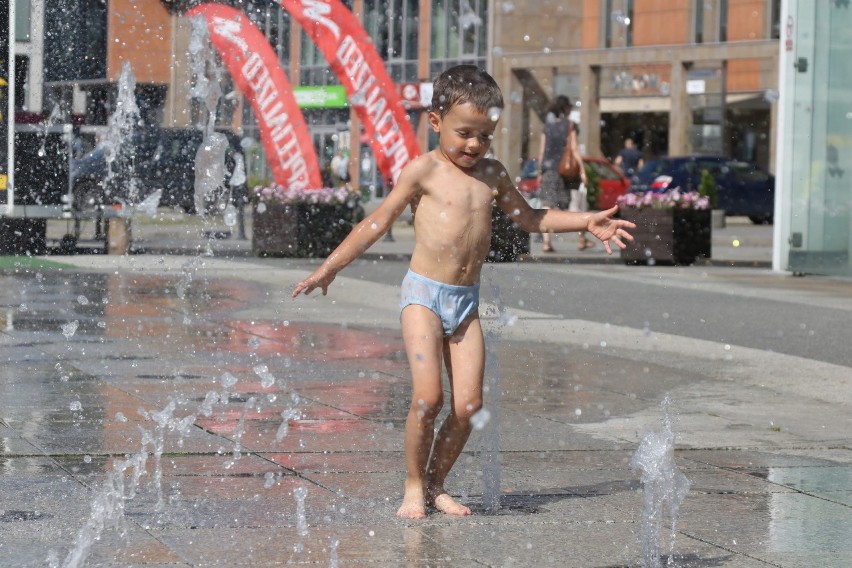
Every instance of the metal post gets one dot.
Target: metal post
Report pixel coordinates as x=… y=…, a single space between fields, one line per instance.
x=10 y=115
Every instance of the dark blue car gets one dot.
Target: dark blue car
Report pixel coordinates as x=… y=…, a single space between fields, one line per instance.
x=743 y=188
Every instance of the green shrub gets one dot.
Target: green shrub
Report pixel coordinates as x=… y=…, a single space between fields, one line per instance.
x=707 y=188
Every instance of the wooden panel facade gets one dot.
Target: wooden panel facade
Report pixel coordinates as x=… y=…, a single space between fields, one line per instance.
x=139 y=31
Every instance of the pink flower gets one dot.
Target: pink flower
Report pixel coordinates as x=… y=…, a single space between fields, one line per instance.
x=669 y=200
x=325 y=195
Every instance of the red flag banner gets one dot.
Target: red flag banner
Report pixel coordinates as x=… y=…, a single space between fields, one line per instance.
x=351 y=55
x=255 y=69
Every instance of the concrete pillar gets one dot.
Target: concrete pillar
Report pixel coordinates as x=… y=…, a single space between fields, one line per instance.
x=680 y=116
x=423 y=72
x=590 y=110
x=507 y=138
x=354 y=121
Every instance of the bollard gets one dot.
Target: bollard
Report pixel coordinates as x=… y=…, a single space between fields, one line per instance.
x=118 y=235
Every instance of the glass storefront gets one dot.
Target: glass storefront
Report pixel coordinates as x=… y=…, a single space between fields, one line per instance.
x=815 y=144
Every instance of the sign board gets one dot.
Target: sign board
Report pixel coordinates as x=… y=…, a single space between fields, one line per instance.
x=695 y=86
x=415 y=95
x=788 y=40
x=326 y=96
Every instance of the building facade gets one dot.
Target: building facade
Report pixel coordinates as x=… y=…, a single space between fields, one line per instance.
x=679 y=77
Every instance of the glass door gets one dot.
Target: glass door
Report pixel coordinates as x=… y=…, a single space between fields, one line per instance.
x=820 y=138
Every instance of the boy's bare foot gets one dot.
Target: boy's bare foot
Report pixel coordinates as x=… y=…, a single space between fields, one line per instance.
x=413 y=503
x=449 y=506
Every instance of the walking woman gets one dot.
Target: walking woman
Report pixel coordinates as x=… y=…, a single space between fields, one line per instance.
x=555 y=191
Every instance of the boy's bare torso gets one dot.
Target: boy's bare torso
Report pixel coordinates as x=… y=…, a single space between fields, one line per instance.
x=452 y=219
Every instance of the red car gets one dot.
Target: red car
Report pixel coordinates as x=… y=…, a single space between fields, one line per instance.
x=610 y=179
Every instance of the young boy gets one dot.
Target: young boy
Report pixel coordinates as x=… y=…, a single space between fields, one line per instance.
x=451 y=190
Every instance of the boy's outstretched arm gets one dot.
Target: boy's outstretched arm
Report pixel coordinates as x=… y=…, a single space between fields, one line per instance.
x=362 y=237
x=601 y=224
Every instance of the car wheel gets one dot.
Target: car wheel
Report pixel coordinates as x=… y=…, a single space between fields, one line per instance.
x=761 y=219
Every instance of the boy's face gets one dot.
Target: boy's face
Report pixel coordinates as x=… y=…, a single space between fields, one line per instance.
x=464 y=133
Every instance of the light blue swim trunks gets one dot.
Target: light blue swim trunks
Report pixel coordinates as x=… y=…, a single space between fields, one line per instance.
x=452 y=304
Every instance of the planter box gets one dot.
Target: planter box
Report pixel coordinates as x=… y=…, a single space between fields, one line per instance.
x=301 y=230
x=669 y=236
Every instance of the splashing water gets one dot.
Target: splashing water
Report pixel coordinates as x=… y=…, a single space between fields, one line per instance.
x=203 y=64
x=53 y=119
x=210 y=172
x=210 y=158
x=69 y=329
x=300 y=493
x=663 y=484
x=267 y=379
x=489 y=421
x=107 y=508
x=291 y=413
x=118 y=156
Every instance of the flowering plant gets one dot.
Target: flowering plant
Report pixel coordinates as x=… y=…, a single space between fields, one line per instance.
x=673 y=199
x=277 y=194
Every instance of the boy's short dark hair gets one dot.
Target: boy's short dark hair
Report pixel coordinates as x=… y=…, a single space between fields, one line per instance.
x=465 y=84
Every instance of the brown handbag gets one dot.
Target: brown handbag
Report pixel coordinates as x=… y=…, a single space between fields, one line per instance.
x=568 y=165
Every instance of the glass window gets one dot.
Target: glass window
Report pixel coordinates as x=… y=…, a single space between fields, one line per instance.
x=274 y=22
x=775 y=20
x=698 y=11
x=710 y=19
x=22 y=20
x=459 y=33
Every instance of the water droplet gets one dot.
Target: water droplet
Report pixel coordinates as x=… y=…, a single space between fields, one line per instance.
x=480 y=419
x=75 y=406
x=69 y=329
x=269 y=480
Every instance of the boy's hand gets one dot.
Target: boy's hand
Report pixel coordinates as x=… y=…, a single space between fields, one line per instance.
x=604 y=227
x=319 y=279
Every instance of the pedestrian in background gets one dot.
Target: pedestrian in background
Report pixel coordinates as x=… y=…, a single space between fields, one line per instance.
x=555 y=191
x=629 y=158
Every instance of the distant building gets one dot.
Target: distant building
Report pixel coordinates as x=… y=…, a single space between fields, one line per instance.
x=762 y=80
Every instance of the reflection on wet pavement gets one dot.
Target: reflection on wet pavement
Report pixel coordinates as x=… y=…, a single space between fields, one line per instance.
x=237 y=416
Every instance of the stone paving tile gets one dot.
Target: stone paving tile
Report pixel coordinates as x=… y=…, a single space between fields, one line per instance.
x=341 y=462
x=137 y=546
x=515 y=428
x=387 y=546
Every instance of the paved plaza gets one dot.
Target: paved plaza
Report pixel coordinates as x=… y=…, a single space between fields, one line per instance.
x=181 y=410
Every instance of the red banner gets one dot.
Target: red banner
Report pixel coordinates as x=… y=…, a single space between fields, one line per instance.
x=255 y=69
x=351 y=55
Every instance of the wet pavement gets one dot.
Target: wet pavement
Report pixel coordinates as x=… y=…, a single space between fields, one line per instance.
x=182 y=410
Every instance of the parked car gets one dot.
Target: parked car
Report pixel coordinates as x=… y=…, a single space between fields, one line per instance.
x=743 y=188
x=611 y=182
x=163 y=159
